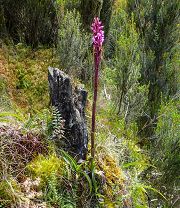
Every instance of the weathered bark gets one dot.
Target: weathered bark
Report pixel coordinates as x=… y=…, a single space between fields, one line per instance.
x=71 y=105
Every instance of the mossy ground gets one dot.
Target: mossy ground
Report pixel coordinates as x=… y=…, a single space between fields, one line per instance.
x=24 y=73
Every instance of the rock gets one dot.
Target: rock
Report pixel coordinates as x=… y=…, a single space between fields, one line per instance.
x=71 y=105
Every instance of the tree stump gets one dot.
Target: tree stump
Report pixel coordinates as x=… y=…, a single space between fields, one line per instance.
x=71 y=105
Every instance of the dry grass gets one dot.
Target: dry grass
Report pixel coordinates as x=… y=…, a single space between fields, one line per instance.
x=17 y=149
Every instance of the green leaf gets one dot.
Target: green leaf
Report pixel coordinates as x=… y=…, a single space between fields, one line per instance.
x=88 y=180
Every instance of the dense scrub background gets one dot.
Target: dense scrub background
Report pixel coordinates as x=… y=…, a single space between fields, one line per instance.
x=137 y=159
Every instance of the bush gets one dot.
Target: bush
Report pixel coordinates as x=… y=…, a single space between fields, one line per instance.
x=73 y=44
x=158 y=26
x=30 y=21
x=167 y=158
x=125 y=65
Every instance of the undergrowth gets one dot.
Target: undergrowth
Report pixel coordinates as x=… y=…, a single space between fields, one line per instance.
x=33 y=172
x=24 y=74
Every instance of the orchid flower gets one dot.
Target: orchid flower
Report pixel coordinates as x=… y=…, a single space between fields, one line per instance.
x=98 y=39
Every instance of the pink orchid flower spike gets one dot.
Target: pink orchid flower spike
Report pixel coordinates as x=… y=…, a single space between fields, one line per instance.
x=98 y=39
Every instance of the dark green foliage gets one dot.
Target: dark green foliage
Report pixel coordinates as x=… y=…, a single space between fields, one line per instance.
x=23 y=82
x=92 y=8
x=70 y=4
x=3 y=31
x=105 y=15
x=167 y=158
x=157 y=23
x=31 y=21
x=86 y=182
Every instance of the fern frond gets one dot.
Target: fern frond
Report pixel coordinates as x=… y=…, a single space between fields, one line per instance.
x=57 y=124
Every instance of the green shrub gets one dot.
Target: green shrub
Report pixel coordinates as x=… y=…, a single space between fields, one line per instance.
x=33 y=22
x=129 y=95
x=22 y=80
x=165 y=150
x=158 y=25
x=73 y=44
